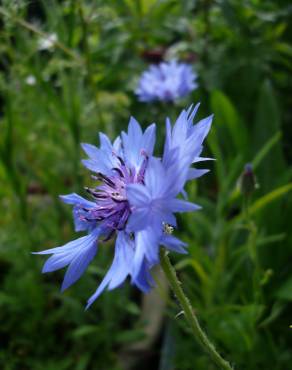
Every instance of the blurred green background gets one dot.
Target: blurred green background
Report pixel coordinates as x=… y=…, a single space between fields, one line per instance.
x=68 y=69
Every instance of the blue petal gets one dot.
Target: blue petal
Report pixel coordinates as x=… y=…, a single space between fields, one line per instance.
x=131 y=143
x=201 y=129
x=80 y=222
x=117 y=145
x=194 y=173
x=180 y=128
x=79 y=264
x=192 y=112
x=77 y=254
x=137 y=195
x=100 y=160
x=56 y=262
x=138 y=219
x=155 y=177
x=143 y=280
x=134 y=129
x=149 y=139
x=167 y=144
x=179 y=205
x=176 y=178
x=173 y=244
x=185 y=138
x=105 y=143
x=202 y=159
x=136 y=144
x=167 y=81
x=124 y=260
x=146 y=247
x=91 y=150
x=65 y=248
x=149 y=202
x=74 y=198
x=95 y=166
x=120 y=268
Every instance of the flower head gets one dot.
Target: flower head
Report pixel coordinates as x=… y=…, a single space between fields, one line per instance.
x=30 y=80
x=135 y=201
x=167 y=81
x=47 y=42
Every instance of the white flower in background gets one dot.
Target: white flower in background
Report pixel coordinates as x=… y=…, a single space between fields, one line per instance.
x=47 y=43
x=30 y=80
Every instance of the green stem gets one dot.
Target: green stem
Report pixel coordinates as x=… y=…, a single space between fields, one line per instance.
x=189 y=313
x=252 y=250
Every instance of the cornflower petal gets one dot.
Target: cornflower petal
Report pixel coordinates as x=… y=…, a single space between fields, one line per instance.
x=120 y=268
x=194 y=173
x=136 y=144
x=174 y=244
x=79 y=264
x=167 y=81
x=179 y=205
x=77 y=254
x=79 y=214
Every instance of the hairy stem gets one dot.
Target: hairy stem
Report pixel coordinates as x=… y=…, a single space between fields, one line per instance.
x=190 y=316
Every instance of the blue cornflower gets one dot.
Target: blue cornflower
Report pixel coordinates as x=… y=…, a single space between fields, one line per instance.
x=134 y=200
x=167 y=81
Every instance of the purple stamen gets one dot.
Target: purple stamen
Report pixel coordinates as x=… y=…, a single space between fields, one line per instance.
x=118 y=171
x=112 y=209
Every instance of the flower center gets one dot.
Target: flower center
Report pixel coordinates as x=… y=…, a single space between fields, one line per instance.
x=112 y=208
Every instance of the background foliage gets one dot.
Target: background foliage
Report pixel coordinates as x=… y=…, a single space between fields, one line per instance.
x=238 y=272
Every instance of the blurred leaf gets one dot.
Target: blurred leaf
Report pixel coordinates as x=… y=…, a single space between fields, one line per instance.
x=276 y=311
x=83 y=362
x=237 y=329
x=126 y=336
x=168 y=350
x=196 y=266
x=270 y=197
x=264 y=201
x=146 y=5
x=85 y=330
x=226 y=117
x=284 y=48
x=132 y=308
x=267 y=125
x=271 y=239
x=132 y=6
x=285 y=290
x=266 y=149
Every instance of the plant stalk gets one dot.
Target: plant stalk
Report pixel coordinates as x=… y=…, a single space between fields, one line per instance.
x=189 y=313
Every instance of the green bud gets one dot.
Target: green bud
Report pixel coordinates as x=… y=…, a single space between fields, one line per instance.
x=247 y=181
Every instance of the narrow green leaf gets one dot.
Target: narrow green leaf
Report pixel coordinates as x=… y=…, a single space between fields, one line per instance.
x=197 y=267
x=270 y=197
x=266 y=149
x=268 y=124
x=227 y=119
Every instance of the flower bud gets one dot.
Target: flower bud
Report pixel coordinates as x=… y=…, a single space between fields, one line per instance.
x=247 y=181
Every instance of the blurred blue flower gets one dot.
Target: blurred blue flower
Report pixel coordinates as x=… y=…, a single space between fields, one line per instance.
x=135 y=200
x=167 y=81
